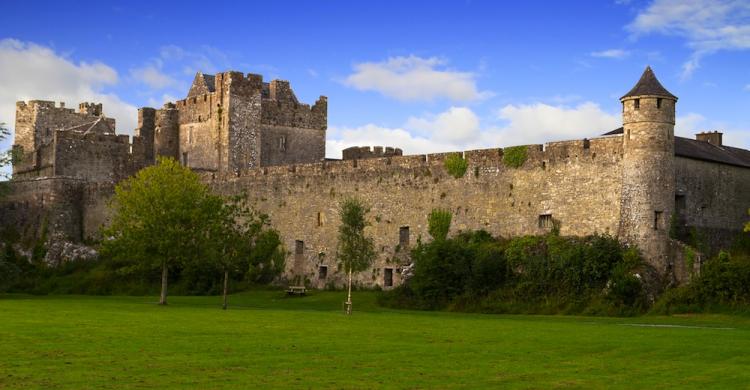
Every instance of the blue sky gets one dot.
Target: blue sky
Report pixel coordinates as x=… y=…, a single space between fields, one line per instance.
x=426 y=76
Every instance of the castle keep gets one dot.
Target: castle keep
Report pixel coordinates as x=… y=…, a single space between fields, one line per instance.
x=244 y=135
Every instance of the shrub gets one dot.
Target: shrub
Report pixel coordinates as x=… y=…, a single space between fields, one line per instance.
x=515 y=156
x=439 y=223
x=456 y=165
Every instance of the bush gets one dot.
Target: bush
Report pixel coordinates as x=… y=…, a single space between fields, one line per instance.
x=456 y=165
x=515 y=156
x=439 y=223
x=534 y=274
x=723 y=285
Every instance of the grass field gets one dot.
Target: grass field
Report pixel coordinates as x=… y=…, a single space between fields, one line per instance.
x=268 y=340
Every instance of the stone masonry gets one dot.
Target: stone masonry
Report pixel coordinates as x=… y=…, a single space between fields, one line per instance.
x=244 y=135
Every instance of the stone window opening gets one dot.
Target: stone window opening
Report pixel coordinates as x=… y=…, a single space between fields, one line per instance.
x=190 y=134
x=679 y=203
x=586 y=143
x=403 y=236
x=282 y=144
x=657 y=219
x=322 y=272
x=321 y=219
x=658 y=103
x=185 y=159
x=545 y=221
x=637 y=105
x=388 y=277
x=299 y=247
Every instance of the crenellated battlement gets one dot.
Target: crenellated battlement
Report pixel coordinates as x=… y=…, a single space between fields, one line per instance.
x=596 y=151
x=363 y=152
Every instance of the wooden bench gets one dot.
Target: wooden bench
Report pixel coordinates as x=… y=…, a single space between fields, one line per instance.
x=296 y=290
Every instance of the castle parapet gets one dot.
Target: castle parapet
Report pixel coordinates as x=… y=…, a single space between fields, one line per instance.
x=365 y=152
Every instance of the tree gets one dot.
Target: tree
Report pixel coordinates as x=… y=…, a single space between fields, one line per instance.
x=6 y=157
x=439 y=223
x=239 y=238
x=747 y=225
x=355 y=250
x=161 y=216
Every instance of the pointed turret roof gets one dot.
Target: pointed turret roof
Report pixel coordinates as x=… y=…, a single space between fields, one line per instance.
x=649 y=85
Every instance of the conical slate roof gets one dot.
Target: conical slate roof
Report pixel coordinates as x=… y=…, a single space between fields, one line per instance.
x=649 y=85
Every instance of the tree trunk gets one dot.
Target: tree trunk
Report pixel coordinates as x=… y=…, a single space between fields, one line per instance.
x=164 y=276
x=348 y=303
x=226 y=283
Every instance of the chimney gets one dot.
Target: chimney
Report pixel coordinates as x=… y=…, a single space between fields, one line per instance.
x=713 y=138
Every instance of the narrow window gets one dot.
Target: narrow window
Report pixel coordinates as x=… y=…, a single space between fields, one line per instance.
x=586 y=143
x=322 y=272
x=637 y=104
x=658 y=102
x=657 y=219
x=299 y=247
x=185 y=159
x=282 y=144
x=388 y=277
x=190 y=134
x=545 y=221
x=321 y=218
x=403 y=236
x=679 y=203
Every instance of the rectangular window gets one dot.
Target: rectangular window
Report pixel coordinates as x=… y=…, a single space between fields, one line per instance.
x=388 y=277
x=637 y=103
x=185 y=159
x=282 y=144
x=403 y=236
x=658 y=102
x=679 y=204
x=322 y=272
x=190 y=135
x=299 y=247
x=657 y=220
x=545 y=221
x=321 y=219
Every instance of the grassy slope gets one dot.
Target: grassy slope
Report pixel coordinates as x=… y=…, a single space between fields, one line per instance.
x=267 y=340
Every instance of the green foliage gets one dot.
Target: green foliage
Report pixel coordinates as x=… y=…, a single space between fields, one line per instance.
x=689 y=254
x=456 y=165
x=6 y=157
x=515 y=156
x=355 y=250
x=747 y=225
x=9 y=270
x=439 y=223
x=549 y=274
x=722 y=285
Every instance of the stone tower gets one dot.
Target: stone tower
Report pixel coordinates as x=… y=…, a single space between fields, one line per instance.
x=648 y=115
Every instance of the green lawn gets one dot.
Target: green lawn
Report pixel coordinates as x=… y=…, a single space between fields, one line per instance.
x=268 y=340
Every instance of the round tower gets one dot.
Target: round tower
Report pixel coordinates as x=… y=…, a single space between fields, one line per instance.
x=648 y=116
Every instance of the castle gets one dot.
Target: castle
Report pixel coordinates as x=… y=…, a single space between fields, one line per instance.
x=241 y=134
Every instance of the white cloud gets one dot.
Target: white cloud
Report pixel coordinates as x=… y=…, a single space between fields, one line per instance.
x=459 y=128
x=153 y=76
x=747 y=87
x=611 y=53
x=457 y=125
x=31 y=71
x=415 y=78
x=707 y=25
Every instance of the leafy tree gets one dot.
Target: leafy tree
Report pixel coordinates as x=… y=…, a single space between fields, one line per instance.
x=236 y=234
x=6 y=157
x=747 y=225
x=439 y=223
x=161 y=216
x=355 y=250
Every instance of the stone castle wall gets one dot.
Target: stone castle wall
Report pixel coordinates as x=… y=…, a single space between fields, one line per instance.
x=713 y=198
x=577 y=183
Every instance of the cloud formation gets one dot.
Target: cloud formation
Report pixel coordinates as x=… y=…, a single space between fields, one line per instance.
x=611 y=53
x=707 y=25
x=32 y=71
x=459 y=128
x=415 y=78
x=153 y=76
